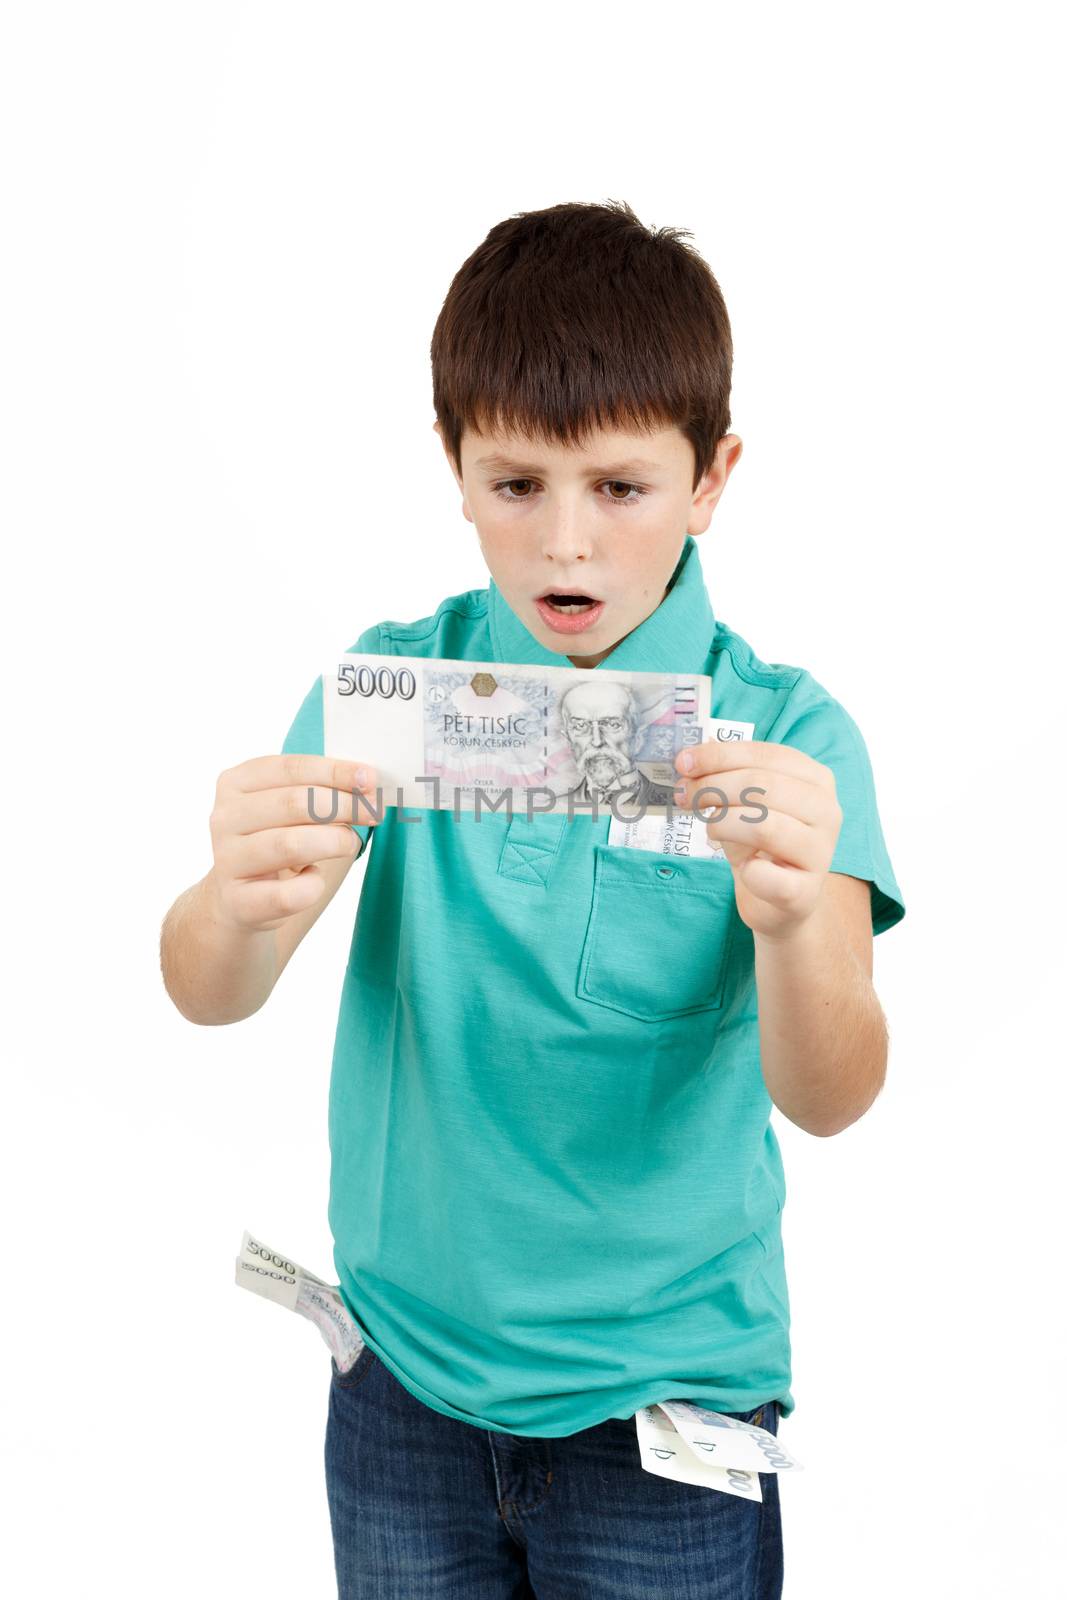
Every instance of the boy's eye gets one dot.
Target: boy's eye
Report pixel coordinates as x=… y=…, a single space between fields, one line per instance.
x=633 y=491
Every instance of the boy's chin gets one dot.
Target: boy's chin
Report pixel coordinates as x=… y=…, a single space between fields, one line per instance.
x=577 y=647
x=590 y=658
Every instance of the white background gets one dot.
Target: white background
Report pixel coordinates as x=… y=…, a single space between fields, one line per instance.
x=229 y=230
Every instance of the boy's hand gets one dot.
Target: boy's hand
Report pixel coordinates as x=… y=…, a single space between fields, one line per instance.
x=264 y=838
x=781 y=857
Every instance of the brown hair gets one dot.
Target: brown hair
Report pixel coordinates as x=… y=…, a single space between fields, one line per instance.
x=579 y=316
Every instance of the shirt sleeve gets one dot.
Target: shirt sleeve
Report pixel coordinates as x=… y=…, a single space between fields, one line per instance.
x=826 y=732
x=305 y=736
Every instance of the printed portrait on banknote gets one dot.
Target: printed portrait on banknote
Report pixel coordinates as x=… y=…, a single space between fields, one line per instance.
x=591 y=740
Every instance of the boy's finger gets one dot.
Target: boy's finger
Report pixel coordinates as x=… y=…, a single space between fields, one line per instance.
x=714 y=756
x=776 y=791
x=262 y=900
x=295 y=848
x=784 y=838
x=274 y=808
x=281 y=771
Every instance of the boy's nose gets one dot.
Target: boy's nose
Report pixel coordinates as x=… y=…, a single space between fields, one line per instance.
x=565 y=540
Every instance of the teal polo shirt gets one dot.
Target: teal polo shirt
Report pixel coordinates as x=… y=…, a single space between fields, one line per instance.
x=555 y=1191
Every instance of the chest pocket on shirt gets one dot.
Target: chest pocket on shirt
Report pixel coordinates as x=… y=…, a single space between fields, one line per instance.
x=657 y=941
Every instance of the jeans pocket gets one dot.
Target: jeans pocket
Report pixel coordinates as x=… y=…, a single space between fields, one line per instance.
x=764 y=1415
x=356 y=1372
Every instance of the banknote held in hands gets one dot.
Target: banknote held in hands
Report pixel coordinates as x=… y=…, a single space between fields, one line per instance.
x=483 y=736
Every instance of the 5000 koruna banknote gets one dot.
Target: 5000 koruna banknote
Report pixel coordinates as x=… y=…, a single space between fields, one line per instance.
x=481 y=736
x=688 y=1443
x=275 y=1277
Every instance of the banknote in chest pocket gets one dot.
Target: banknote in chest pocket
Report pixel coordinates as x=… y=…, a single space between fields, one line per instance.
x=657 y=942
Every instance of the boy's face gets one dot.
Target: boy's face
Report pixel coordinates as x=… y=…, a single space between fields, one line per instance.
x=607 y=522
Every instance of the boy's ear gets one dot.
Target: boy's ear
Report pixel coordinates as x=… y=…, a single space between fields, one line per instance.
x=727 y=455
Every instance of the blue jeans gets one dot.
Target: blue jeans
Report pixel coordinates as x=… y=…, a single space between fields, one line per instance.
x=425 y=1507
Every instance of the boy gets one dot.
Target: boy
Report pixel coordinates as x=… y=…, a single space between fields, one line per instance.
x=555 y=1190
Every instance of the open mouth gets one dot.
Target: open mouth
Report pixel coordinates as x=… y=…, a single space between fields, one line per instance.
x=569 y=613
x=569 y=605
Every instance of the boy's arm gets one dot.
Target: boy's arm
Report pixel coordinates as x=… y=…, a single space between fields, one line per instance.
x=776 y=813
x=216 y=973
x=213 y=971
x=823 y=1039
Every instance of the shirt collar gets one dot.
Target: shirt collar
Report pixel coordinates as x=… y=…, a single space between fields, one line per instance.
x=675 y=638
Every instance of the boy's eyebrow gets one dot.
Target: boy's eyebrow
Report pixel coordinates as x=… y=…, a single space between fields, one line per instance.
x=501 y=463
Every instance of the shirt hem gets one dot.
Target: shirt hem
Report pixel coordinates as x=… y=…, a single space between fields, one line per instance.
x=746 y=1402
